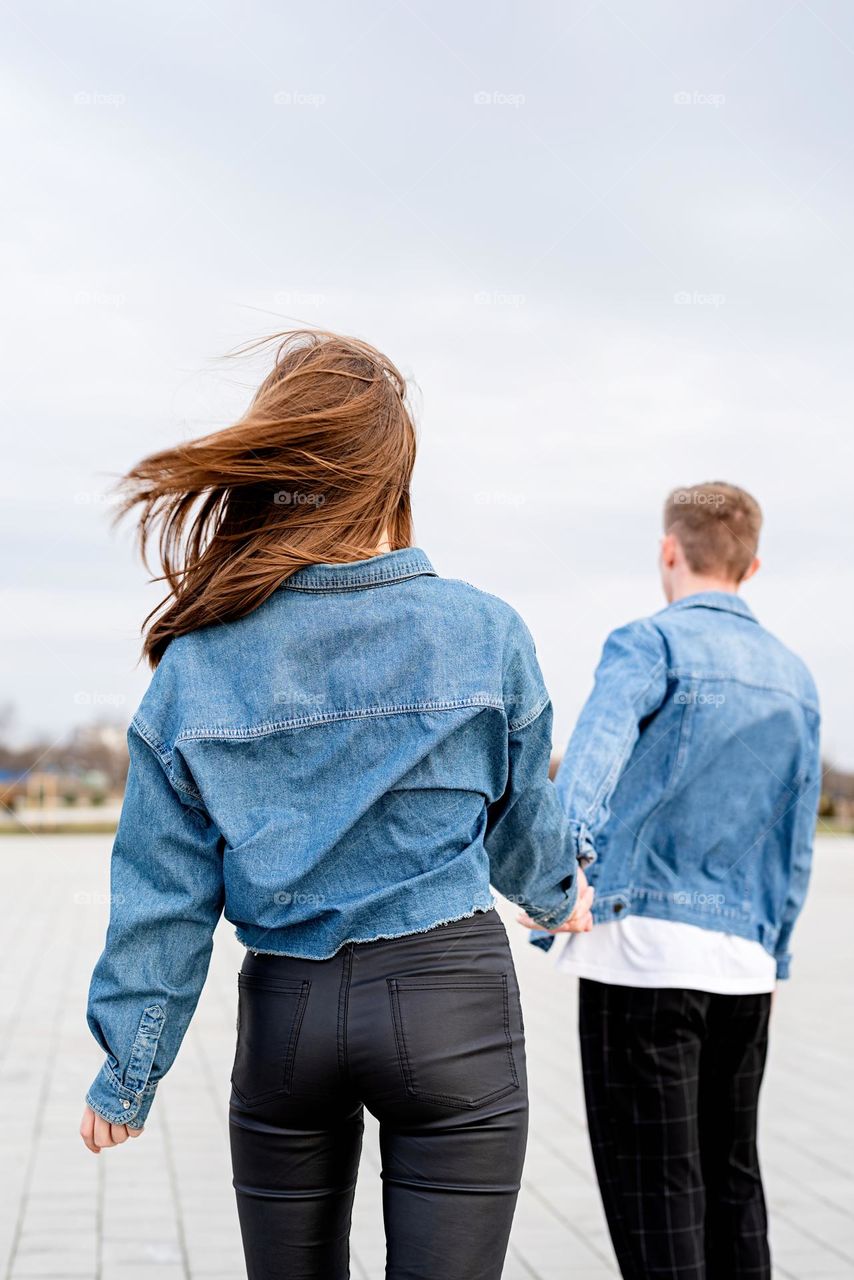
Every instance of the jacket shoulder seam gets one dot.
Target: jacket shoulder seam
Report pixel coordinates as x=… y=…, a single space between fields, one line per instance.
x=151 y=739
x=164 y=755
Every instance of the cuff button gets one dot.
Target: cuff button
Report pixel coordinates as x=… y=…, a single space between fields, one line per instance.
x=125 y=1104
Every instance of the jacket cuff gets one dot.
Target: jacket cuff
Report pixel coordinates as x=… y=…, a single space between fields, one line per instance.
x=115 y=1102
x=545 y=941
x=784 y=964
x=556 y=913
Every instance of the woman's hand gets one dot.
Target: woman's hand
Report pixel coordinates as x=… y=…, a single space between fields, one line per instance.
x=97 y=1132
x=581 y=921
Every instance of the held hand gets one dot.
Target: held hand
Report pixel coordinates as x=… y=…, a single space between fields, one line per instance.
x=581 y=921
x=97 y=1132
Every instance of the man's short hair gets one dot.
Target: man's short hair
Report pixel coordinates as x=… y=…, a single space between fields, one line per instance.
x=717 y=525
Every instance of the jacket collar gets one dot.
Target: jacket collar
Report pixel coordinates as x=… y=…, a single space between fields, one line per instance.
x=394 y=566
x=726 y=601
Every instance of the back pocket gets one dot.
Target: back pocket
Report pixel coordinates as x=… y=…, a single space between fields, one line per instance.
x=269 y=1015
x=453 y=1038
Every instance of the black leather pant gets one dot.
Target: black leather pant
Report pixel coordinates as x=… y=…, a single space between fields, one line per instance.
x=426 y=1032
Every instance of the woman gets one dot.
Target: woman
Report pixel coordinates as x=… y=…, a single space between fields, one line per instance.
x=342 y=750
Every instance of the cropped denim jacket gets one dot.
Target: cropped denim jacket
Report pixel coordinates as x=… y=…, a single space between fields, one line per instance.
x=360 y=757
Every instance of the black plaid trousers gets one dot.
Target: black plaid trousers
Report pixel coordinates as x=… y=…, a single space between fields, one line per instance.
x=671 y=1080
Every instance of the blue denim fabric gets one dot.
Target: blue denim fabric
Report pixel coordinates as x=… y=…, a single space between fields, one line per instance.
x=360 y=757
x=692 y=779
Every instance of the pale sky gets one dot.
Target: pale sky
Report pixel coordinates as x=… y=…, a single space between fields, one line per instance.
x=610 y=241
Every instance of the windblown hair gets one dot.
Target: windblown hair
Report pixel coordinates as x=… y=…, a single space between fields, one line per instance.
x=316 y=471
x=717 y=525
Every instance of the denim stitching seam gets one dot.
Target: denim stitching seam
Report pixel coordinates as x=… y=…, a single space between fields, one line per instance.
x=343 y=1009
x=248 y=732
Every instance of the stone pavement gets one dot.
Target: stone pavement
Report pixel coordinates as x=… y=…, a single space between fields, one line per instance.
x=161 y=1208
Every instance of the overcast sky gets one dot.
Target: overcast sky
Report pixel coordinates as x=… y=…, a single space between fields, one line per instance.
x=610 y=241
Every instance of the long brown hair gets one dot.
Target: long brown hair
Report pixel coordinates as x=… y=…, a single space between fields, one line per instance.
x=316 y=471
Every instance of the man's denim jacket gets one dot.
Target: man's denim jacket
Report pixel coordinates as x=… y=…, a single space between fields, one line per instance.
x=692 y=778
x=358 y=758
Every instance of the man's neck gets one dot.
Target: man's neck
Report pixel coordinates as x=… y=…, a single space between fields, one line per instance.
x=693 y=583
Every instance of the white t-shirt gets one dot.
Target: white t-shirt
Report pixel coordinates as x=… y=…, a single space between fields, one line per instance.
x=640 y=951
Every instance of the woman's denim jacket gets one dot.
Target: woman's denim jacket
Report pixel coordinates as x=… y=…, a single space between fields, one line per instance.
x=360 y=757
x=692 y=778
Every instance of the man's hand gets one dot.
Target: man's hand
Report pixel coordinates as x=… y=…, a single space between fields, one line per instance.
x=581 y=921
x=97 y=1132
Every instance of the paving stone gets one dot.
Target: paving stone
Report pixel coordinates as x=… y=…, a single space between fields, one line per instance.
x=162 y=1208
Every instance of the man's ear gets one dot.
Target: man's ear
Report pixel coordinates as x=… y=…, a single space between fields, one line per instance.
x=669 y=550
x=754 y=568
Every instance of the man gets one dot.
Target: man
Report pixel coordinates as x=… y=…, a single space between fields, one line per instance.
x=691 y=783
